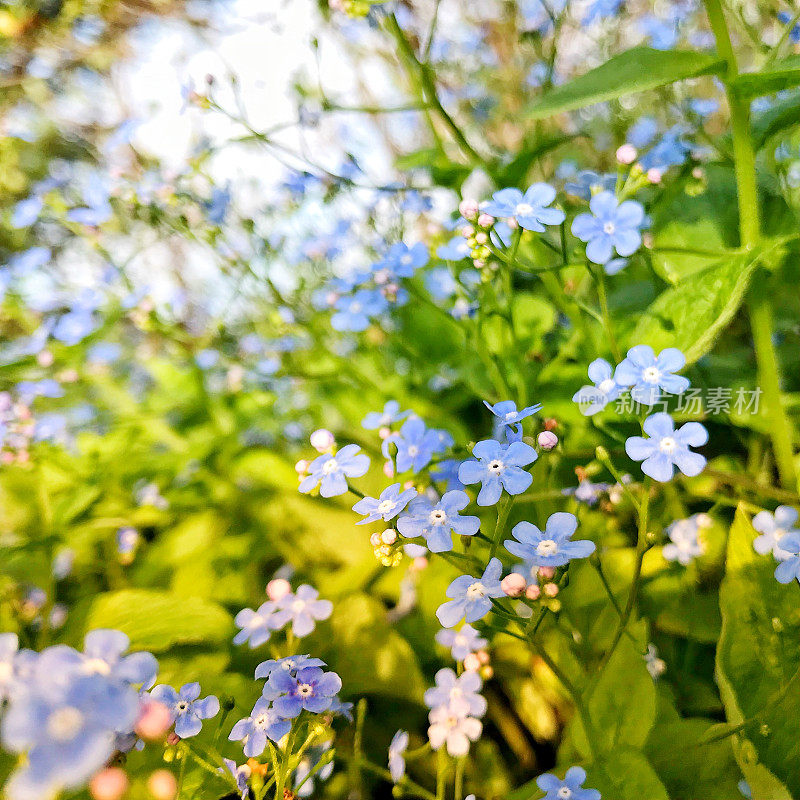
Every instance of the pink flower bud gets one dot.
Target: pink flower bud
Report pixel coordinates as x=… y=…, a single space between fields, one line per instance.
x=162 y=785
x=512 y=223
x=486 y=220
x=471 y=663
x=467 y=231
x=389 y=536
x=654 y=175
x=154 y=720
x=547 y=572
x=109 y=784
x=388 y=469
x=375 y=539
x=277 y=588
x=513 y=585
x=45 y=358
x=547 y=440
x=481 y=238
x=533 y=592
x=483 y=657
x=173 y=738
x=550 y=589
x=301 y=467
x=322 y=440
x=419 y=563
x=468 y=209
x=384 y=432
x=626 y=154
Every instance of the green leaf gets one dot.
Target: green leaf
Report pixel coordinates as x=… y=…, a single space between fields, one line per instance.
x=533 y=316
x=160 y=620
x=622 y=704
x=636 y=70
x=777 y=77
x=758 y=663
x=626 y=775
x=776 y=119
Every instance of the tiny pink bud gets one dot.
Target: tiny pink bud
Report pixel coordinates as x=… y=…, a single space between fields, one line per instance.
x=533 y=592
x=512 y=223
x=162 y=785
x=388 y=469
x=550 y=424
x=277 y=588
x=513 y=585
x=483 y=657
x=547 y=440
x=419 y=563
x=486 y=220
x=654 y=175
x=481 y=238
x=467 y=231
x=389 y=536
x=45 y=358
x=154 y=720
x=468 y=209
x=547 y=572
x=109 y=784
x=471 y=663
x=322 y=440
x=626 y=154
x=302 y=466
x=550 y=589
x=384 y=432
x=408 y=485
x=173 y=738
x=375 y=539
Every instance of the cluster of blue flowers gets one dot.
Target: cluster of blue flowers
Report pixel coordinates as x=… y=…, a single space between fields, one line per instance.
x=780 y=536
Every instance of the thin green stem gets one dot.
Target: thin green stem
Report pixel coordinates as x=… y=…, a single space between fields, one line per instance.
x=499 y=528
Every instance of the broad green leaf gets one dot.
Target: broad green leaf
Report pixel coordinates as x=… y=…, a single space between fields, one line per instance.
x=776 y=119
x=777 y=77
x=533 y=316
x=621 y=704
x=691 y=315
x=688 y=763
x=626 y=775
x=636 y=70
x=758 y=660
x=160 y=620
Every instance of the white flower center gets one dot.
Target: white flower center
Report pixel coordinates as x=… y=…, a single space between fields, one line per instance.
x=476 y=590
x=298 y=606
x=288 y=665
x=667 y=445
x=355 y=308
x=651 y=374
x=510 y=415
x=329 y=466
x=547 y=547
x=64 y=723
x=385 y=506
x=6 y=671
x=305 y=690
x=608 y=228
x=523 y=209
x=413 y=450
x=406 y=259
x=496 y=466
x=381 y=276
x=182 y=706
x=606 y=386
x=262 y=720
x=256 y=621
x=96 y=666
x=564 y=793
x=437 y=517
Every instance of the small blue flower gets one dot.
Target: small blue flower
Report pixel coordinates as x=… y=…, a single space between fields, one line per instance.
x=456 y=249
x=471 y=596
x=386 y=507
x=685 y=544
x=789 y=569
x=506 y=411
x=773 y=527
x=240 y=774
x=530 y=209
x=668 y=448
x=397 y=749
x=592 y=399
x=402 y=261
x=391 y=414
x=186 y=708
x=330 y=472
x=303 y=609
x=447 y=471
x=786 y=17
x=256 y=626
x=263 y=723
x=671 y=150
x=415 y=445
x=587 y=184
x=498 y=467
x=437 y=522
x=554 y=547
x=459 y=693
x=355 y=311
x=311 y=689
x=290 y=664
x=97 y=208
x=571 y=788
x=648 y=374
x=610 y=226
x=26 y=212
x=462 y=642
